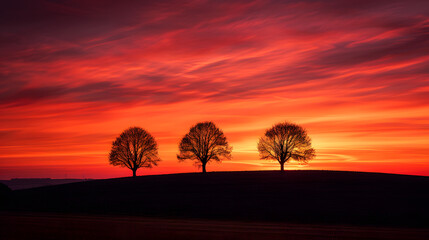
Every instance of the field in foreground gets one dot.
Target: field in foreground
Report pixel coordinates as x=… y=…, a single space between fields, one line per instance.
x=64 y=226
x=310 y=197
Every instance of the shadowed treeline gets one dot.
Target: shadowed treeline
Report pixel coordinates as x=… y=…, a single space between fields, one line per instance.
x=205 y=142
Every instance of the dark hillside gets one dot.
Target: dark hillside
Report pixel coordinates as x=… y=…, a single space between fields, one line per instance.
x=23 y=183
x=5 y=195
x=294 y=196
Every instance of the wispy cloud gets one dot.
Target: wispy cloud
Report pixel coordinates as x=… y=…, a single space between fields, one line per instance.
x=74 y=74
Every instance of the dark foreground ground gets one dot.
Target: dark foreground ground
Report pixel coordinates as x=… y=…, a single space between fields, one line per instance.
x=310 y=200
x=46 y=227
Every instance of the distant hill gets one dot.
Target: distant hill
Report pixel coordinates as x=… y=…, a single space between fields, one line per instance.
x=332 y=197
x=23 y=183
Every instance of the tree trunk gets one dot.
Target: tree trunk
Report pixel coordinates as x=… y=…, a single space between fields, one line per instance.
x=204 y=167
x=134 y=172
x=282 y=167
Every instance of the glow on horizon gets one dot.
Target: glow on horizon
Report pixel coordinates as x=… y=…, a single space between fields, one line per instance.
x=74 y=75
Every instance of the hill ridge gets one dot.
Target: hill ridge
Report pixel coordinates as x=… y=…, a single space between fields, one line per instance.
x=293 y=196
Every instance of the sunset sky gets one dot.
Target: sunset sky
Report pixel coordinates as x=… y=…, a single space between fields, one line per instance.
x=75 y=74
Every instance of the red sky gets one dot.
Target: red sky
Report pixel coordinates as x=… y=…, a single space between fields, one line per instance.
x=75 y=74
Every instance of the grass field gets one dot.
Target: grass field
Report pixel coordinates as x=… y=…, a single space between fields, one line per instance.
x=367 y=203
x=65 y=226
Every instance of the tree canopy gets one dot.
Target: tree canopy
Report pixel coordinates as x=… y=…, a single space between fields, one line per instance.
x=285 y=141
x=203 y=143
x=134 y=148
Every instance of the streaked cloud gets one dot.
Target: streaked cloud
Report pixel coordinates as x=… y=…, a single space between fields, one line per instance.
x=74 y=74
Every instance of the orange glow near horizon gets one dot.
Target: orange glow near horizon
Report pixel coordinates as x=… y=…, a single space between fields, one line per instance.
x=74 y=76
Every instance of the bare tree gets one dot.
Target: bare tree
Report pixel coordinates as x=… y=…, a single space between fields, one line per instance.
x=285 y=141
x=204 y=142
x=134 y=148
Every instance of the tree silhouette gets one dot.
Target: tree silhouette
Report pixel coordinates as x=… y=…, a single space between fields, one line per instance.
x=285 y=141
x=204 y=142
x=134 y=148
